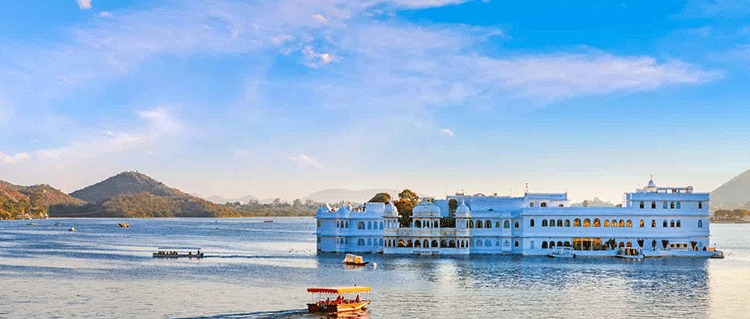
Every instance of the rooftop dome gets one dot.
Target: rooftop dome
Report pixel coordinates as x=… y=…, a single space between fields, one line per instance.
x=462 y=210
x=426 y=209
x=390 y=210
x=651 y=184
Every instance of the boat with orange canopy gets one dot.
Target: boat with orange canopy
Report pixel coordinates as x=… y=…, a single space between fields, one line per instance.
x=342 y=302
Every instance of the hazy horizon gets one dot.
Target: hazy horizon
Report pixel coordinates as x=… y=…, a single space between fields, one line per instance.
x=283 y=99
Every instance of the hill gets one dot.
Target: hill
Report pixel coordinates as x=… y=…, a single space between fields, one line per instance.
x=17 y=201
x=336 y=195
x=132 y=194
x=223 y=200
x=733 y=194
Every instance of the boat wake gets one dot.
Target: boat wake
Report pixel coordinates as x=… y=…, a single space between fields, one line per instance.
x=296 y=313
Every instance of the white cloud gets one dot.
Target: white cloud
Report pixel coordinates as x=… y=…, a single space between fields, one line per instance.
x=320 y=18
x=315 y=59
x=306 y=162
x=161 y=119
x=84 y=4
x=14 y=159
x=447 y=132
x=104 y=14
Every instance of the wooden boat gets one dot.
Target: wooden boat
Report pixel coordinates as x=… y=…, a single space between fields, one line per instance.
x=354 y=260
x=123 y=225
x=343 y=301
x=178 y=252
x=562 y=252
x=630 y=253
x=718 y=254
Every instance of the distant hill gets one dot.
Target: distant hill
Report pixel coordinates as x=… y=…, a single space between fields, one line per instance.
x=733 y=194
x=336 y=195
x=222 y=200
x=18 y=201
x=133 y=194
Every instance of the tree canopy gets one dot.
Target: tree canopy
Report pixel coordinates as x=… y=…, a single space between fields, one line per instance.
x=381 y=198
x=405 y=204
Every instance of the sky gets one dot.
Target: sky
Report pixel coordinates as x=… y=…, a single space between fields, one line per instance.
x=285 y=98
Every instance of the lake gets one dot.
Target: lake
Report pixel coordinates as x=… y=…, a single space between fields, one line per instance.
x=254 y=269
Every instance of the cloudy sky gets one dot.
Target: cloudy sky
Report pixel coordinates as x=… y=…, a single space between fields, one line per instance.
x=284 y=98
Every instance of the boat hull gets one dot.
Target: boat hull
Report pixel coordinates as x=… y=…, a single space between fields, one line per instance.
x=331 y=308
x=174 y=256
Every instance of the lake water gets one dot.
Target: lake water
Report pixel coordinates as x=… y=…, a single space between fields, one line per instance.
x=258 y=270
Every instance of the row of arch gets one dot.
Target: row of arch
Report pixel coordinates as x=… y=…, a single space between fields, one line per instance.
x=607 y=223
x=369 y=242
x=426 y=223
x=488 y=224
x=369 y=225
x=667 y=205
x=445 y=243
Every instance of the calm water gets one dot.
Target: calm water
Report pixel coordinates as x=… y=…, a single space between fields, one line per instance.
x=257 y=270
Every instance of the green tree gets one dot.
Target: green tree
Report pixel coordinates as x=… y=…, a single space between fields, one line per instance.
x=407 y=200
x=452 y=206
x=380 y=198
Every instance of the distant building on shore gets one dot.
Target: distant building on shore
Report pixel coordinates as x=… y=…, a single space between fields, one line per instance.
x=659 y=221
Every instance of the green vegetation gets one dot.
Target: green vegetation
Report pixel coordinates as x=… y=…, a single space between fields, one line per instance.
x=405 y=204
x=731 y=216
x=278 y=208
x=381 y=198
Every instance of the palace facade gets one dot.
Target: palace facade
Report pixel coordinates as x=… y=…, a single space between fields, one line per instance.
x=661 y=221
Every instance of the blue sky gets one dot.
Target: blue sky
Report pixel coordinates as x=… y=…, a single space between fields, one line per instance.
x=285 y=98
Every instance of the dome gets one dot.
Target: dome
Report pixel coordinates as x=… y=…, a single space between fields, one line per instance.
x=651 y=184
x=462 y=210
x=426 y=209
x=390 y=210
x=325 y=209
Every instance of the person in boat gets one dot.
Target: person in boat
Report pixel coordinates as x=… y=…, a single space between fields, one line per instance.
x=357 y=300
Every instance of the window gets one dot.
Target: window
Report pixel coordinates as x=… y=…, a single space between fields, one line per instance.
x=506 y=224
x=369 y=225
x=665 y=205
x=497 y=224
x=544 y=223
x=516 y=244
x=641 y=205
x=361 y=225
x=361 y=242
x=577 y=222
x=629 y=223
x=544 y=245
x=381 y=225
x=515 y=225
x=506 y=243
x=678 y=223
x=700 y=205
x=531 y=204
x=678 y=205
x=671 y=223
x=700 y=223
x=653 y=205
x=664 y=224
x=597 y=223
x=531 y=223
x=487 y=224
x=559 y=223
x=653 y=223
x=318 y=223
x=614 y=223
x=606 y=223
x=586 y=223
x=567 y=223
x=671 y=205
x=551 y=223
x=642 y=224
x=544 y=204
x=479 y=224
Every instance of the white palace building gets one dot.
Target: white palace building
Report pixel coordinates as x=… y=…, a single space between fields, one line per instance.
x=660 y=221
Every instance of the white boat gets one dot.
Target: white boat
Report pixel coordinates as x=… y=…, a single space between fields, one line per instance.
x=630 y=253
x=562 y=252
x=178 y=252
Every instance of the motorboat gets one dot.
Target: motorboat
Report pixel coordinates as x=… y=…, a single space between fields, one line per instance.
x=178 y=252
x=630 y=253
x=71 y=229
x=354 y=260
x=343 y=302
x=562 y=252
x=123 y=225
x=718 y=254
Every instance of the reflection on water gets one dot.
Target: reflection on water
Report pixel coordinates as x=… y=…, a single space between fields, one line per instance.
x=261 y=270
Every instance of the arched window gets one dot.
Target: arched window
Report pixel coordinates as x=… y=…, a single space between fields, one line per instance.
x=381 y=225
x=622 y=223
x=577 y=222
x=360 y=242
x=435 y=224
x=544 y=223
x=653 y=205
x=544 y=204
x=369 y=225
x=700 y=223
x=614 y=223
x=606 y=223
x=678 y=205
x=506 y=243
x=567 y=223
x=479 y=224
x=641 y=205
x=559 y=223
x=497 y=243
x=479 y=243
x=497 y=224
x=369 y=241
x=552 y=244
x=487 y=224
x=410 y=244
x=531 y=223
x=653 y=223
x=361 y=225
x=417 y=244
x=516 y=243
x=559 y=243
x=642 y=224
x=515 y=225
x=487 y=243
x=678 y=223
x=567 y=244
x=597 y=223
x=671 y=205
x=665 y=205
x=506 y=224
x=551 y=223
x=671 y=223
x=544 y=245
x=586 y=223
x=471 y=224
x=452 y=243
x=435 y=243
x=629 y=223
x=664 y=224
x=700 y=205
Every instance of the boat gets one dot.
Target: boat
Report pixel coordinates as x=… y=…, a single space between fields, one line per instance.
x=178 y=252
x=343 y=302
x=630 y=253
x=354 y=260
x=268 y=221
x=562 y=252
x=123 y=225
x=718 y=254
x=71 y=229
